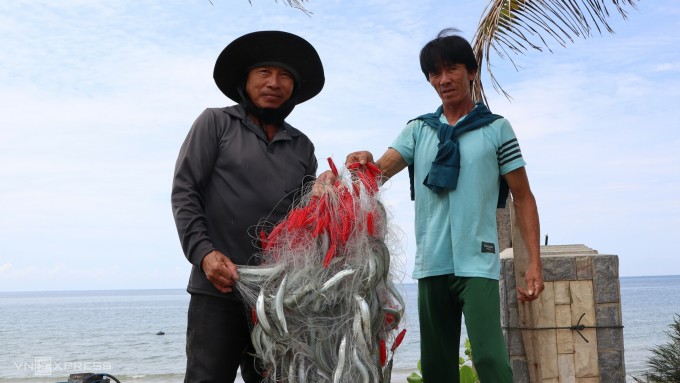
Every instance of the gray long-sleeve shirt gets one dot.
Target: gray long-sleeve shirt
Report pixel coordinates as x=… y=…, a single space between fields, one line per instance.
x=228 y=181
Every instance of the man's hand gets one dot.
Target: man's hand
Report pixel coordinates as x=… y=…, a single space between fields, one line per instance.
x=362 y=157
x=323 y=183
x=534 y=279
x=220 y=271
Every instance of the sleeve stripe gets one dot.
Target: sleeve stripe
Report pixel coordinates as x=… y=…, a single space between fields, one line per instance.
x=509 y=154
x=510 y=159
x=504 y=147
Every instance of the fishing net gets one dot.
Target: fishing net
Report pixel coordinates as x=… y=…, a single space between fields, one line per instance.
x=323 y=304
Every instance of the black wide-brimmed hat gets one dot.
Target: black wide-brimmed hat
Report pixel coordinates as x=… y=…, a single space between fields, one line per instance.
x=270 y=48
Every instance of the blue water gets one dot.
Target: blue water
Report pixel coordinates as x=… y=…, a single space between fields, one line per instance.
x=45 y=336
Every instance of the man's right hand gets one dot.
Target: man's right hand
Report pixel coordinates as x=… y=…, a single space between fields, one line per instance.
x=324 y=182
x=220 y=271
x=390 y=163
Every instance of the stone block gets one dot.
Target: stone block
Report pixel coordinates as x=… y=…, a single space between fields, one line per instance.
x=559 y=269
x=508 y=270
x=582 y=303
x=585 y=354
x=610 y=339
x=512 y=298
x=562 y=295
x=508 y=281
x=606 y=266
x=606 y=279
x=607 y=290
x=608 y=314
x=513 y=318
x=612 y=367
x=547 y=354
x=543 y=309
x=514 y=342
x=520 y=371
x=566 y=368
x=588 y=380
x=563 y=315
x=584 y=268
x=565 y=344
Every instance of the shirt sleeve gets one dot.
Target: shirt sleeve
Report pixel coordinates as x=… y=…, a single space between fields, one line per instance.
x=310 y=176
x=508 y=153
x=193 y=168
x=405 y=143
x=310 y=171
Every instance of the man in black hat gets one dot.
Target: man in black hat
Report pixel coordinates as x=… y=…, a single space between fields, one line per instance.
x=239 y=166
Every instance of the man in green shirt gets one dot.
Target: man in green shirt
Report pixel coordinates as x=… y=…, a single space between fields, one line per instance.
x=463 y=159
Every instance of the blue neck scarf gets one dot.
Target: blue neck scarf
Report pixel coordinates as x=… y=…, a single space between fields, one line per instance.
x=443 y=174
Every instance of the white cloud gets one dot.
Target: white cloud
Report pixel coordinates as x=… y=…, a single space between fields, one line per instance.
x=667 y=67
x=5 y=267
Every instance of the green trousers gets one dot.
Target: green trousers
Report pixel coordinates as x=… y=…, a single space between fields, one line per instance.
x=441 y=301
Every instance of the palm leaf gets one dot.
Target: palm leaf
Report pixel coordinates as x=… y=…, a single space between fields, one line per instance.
x=295 y=4
x=291 y=3
x=517 y=26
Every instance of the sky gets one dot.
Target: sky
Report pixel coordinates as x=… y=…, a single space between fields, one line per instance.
x=96 y=98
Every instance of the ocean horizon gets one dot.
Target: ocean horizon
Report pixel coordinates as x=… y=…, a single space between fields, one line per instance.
x=47 y=335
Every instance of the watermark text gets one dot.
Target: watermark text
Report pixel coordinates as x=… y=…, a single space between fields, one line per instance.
x=46 y=366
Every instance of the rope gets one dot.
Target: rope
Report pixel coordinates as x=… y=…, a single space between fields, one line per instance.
x=577 y=327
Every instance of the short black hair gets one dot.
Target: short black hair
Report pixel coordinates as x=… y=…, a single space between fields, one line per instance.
x=446 y=49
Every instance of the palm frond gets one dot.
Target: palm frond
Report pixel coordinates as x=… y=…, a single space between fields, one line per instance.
x=296 y=4
x=291 y=3
x=517 y=26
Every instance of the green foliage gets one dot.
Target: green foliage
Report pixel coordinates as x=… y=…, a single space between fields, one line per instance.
x=416 y=377
x=664 y=364
x=467 y=371
x=468 y=374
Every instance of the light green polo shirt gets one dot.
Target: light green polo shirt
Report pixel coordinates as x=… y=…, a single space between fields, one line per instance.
x=456 y=230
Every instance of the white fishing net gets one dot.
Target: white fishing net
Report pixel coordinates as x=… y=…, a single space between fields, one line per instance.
x=324 y=307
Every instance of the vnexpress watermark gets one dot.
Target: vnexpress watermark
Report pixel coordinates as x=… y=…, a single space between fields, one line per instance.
x=46 y=366
x=42 y=365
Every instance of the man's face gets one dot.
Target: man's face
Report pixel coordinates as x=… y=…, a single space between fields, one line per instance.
x=269 y=86
x=452 y=83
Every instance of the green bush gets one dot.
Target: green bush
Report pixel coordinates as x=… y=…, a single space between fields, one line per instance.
x=664 y=364
x=467 y=371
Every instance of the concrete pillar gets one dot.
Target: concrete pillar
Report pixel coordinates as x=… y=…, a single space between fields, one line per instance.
x=581 y=288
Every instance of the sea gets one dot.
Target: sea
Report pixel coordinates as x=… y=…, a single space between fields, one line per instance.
x=138 y=336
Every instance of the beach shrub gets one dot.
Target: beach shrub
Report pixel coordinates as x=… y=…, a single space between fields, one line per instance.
x=664 y=364
x=465 y=368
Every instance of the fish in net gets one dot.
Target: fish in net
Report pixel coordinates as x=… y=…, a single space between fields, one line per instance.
x=323 y=307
